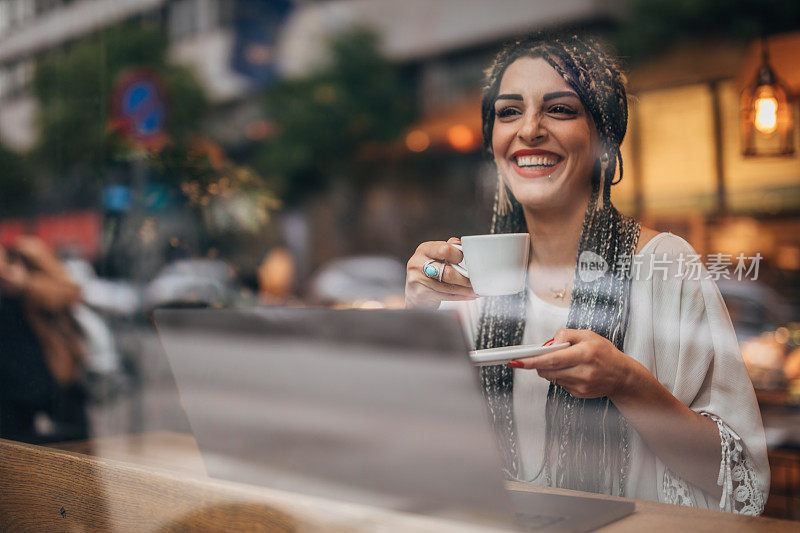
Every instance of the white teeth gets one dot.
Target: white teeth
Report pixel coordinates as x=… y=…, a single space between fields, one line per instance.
x=536 y=161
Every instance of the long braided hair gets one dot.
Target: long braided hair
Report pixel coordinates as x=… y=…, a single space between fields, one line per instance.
x=586 y=441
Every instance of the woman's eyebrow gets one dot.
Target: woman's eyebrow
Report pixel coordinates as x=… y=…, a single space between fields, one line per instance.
x=509 y=97
x=559 y=94
x=545 y=98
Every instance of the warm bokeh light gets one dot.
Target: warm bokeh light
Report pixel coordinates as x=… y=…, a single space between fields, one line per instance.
x=418 y=141
x=276 y=274
x=766 y=114
x=788 y=258
x=462 y=138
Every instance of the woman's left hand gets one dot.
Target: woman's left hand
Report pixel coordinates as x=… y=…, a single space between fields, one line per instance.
x=592 y=367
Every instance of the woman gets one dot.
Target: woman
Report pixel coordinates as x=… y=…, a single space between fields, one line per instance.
x=652 y=399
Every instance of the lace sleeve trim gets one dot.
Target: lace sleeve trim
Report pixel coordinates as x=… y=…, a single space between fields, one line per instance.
x=740 y=493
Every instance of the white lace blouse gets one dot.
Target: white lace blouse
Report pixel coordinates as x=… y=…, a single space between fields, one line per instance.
x=679 y=329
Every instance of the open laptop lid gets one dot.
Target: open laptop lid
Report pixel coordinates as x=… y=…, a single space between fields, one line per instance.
x=376 y=407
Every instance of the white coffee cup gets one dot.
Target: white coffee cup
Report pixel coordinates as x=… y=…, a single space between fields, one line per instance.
x=495 y=264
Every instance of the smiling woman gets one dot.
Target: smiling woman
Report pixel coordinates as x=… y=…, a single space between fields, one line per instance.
x=652 y=398
x=525 y=115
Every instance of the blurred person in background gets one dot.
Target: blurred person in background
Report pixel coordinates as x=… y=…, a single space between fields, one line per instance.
x=41 y=347
x=652 y=399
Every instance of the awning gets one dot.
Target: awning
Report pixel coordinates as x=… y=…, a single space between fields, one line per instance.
x=702 y=62
x=784 y=51
x=69 y=22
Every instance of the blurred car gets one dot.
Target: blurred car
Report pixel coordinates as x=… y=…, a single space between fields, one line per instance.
x=360 y=281
x=759 y=315
x=754 y=307
x=192 y=283
x=110 y=297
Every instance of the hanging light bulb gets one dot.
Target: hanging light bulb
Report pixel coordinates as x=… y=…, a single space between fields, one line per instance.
x=767 y=125
x=765 y=108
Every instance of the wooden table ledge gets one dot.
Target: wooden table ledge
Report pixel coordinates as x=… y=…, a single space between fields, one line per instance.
x=156 y=482
x=44 y=489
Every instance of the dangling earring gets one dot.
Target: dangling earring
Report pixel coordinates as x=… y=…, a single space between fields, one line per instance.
x=603 y=167
x=503 y=200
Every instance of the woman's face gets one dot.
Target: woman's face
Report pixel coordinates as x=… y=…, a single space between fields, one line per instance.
x=544 y=141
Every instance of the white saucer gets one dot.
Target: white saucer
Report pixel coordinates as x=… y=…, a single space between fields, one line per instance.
x=499 y=356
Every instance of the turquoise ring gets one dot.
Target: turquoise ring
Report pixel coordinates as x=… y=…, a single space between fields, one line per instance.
x=431 y=270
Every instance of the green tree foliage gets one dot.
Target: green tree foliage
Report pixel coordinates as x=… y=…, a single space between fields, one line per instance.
x=75 y=87
x=16 y=183
x=325 y=121
x=653 y=25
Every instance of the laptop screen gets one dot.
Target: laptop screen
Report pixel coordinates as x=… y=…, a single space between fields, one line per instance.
x=375 y=407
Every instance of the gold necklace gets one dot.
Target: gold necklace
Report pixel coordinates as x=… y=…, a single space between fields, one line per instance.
x=559 y=293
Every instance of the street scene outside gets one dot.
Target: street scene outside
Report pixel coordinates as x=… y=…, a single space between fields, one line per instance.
x=235 y=153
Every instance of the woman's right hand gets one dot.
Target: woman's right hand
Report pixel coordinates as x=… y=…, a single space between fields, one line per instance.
x=422 y=291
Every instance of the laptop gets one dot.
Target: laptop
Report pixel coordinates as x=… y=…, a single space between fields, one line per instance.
x=377 y=407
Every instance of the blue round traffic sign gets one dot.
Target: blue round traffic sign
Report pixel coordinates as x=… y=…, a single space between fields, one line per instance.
x=139 y=105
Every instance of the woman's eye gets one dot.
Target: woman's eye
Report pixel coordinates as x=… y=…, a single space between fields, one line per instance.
x=561 y=109
x=507 y=112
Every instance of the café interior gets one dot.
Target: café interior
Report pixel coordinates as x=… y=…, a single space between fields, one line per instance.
x=712 y=154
